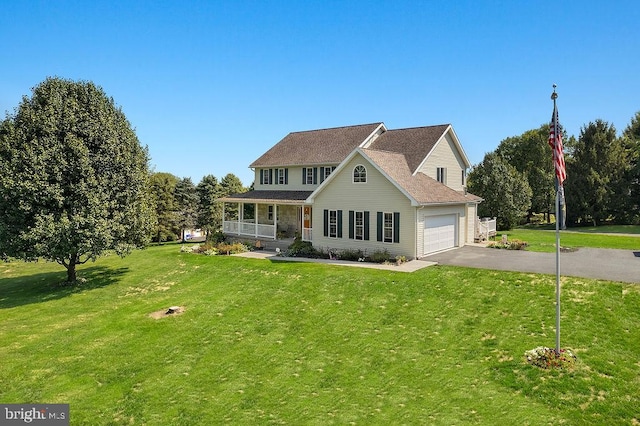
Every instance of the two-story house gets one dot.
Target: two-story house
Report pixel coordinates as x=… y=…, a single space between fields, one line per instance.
x=361 y=187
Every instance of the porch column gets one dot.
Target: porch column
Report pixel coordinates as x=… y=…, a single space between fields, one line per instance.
x=223 y=216
x=275 y=221
x=255 y=219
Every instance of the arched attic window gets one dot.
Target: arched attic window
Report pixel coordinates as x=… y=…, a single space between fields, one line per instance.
x=359 y=174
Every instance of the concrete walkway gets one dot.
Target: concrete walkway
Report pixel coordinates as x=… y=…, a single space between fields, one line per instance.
x=410 y=266
x=604 y=264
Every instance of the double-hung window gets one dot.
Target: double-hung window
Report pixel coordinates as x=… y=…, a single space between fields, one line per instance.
x=359 y=226
x=333 y=223
x=388 y=228
x=327 y=172
x=281 y=176
x=266 y=176
x=441 y=175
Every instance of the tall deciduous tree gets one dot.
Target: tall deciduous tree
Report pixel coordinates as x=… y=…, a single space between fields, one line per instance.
x=531 y=155
x=73 y=177
x=506 y=193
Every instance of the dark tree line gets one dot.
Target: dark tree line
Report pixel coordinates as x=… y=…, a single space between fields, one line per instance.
x=181 y=205
x=603 y=176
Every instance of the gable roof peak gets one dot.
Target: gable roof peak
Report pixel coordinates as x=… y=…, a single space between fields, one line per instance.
x=415 y=143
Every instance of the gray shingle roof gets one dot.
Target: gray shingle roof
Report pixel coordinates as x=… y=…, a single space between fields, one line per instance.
x=415 y=143
x=280 y=197
x=422 y=188
x=326 y=146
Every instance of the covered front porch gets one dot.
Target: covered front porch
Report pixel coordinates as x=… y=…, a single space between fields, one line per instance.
x=271 y=215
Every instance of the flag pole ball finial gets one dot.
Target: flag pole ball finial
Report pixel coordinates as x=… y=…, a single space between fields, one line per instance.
x=554 y=95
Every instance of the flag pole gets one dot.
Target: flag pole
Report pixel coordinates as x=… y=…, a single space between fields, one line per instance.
x=554 y=96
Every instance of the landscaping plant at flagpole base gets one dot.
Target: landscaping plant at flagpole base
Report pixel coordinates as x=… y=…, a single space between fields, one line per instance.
x=548 y=358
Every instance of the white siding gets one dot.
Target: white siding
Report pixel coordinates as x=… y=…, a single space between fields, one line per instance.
x=376 y=195
x=472 y=213
x=445 y=154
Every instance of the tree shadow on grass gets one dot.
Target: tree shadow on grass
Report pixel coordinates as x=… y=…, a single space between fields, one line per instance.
x=38 y=288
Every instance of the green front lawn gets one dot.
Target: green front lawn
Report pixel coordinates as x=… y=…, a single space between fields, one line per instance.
x=265 y=342
x=545 y=240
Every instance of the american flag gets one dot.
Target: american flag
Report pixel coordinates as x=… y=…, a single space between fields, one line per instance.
x=555 y=141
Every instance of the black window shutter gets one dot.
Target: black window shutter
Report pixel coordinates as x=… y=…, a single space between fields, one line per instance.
x=304 y=175
x=326 y=222
x=271 y=176
x=366 y=226
x=339 y=223
x=315 y=175
x=286 y=176
x=277 y=176
x=351 y=223
x=396 y=227
x=321 y=174
x=379 y=226
x=261 y=176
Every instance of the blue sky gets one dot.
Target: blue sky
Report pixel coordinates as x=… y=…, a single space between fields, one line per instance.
x=209 y=86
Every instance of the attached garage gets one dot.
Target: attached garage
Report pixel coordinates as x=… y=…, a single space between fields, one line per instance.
x=440 y=233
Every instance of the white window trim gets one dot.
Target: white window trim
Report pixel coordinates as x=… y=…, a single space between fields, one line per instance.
x=333 y=220
x=327 y=171
x=441 y=175
x=385 y=228
x=357 y=227
x=361 y=175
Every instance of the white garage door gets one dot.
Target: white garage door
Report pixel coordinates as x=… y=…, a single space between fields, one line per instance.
x=439 y=233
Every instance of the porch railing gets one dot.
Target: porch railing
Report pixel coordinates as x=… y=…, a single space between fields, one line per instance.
x=486 y=228
x=307 y=235
x=250 y=229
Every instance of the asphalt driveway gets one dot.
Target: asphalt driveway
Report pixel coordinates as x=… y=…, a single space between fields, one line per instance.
x=605 y=264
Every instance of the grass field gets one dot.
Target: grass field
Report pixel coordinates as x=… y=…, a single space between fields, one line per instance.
x=544 y=240
x=265 y=342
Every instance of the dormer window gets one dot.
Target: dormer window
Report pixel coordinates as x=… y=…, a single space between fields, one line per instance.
x=359 y=174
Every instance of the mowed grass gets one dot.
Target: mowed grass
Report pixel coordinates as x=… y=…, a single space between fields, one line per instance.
x=264 y=342
x=544 y=240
